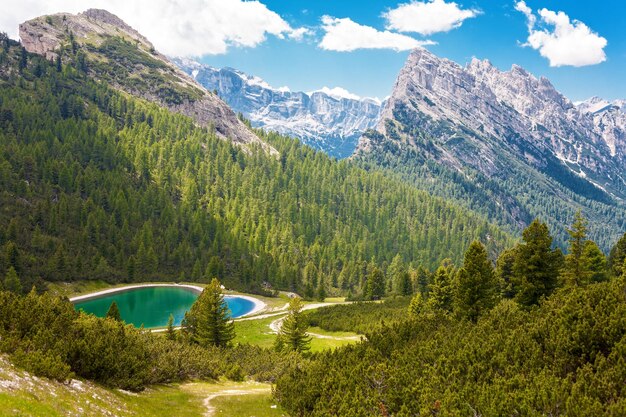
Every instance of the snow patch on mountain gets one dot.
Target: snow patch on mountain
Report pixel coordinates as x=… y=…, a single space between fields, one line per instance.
x=329 y=119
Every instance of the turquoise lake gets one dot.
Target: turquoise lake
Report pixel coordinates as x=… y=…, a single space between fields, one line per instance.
x=152 y=306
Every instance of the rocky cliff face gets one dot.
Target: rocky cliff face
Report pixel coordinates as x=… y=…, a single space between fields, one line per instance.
x=116 y=53
x=322 y=120
x=513 y=109
x=609 y=119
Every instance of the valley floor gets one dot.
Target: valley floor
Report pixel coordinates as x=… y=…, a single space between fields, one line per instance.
x=22 y=394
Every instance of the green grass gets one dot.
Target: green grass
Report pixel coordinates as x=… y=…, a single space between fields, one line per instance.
x=318 y=345
x=257 y=405
x=255 y=332
x=258 y=402
x=319 y=330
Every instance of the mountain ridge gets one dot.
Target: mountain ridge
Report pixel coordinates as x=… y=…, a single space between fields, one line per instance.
x=328 y=119
x=117 y=53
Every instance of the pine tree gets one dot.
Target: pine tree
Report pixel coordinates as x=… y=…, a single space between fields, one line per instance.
x=114 y=312
x=208 y=321
x=170 y=328
x=416 y=306
x=441 y=290
x=617 y=257
x=292 y=335
x=375 y=285
x=536 y=267
x=12 y=281
x=595 y=262
x=575 y=270
x=422 y=279
x=476 y=288
x=321 y=290
x=504 y=273
x=405 y=286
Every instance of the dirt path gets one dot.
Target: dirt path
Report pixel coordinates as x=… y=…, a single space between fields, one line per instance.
x=210 y=409
x=277 y=324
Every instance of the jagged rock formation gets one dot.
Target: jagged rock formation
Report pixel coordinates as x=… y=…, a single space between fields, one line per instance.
x=323 y=120
x=506 y=143
x=115 y=52
x=609 y=119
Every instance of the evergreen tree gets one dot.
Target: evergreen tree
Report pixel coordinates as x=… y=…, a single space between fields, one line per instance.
x=536 y=267
x=441 y=290
x=208 y=321
x=394 y=274
x=476 y=288
x=292 y=335
x=114 y=312
x=375 y=285
x=404 y=286
x=617 y=257
x=595 y=262
x=321 y=290
x=504 y=273
x=12 y=281
x=170 y=328
x=416 y=306
x=422 y=279
x=575 y=270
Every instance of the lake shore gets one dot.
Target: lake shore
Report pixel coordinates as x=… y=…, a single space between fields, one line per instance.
x=259 y=305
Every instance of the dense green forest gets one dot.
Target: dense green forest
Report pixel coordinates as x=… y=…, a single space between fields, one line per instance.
x=540 y=334
x=96 y=184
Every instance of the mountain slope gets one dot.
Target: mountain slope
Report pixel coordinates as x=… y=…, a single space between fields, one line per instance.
x=110 y=50
x=609 y=119
x=322 y=119
x=504 y=143
x=98 y=184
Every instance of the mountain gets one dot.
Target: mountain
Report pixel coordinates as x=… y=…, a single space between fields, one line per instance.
x=505 y=143
x=331 y=120
x=101 y=177
x=114 y=52
x=609 y=119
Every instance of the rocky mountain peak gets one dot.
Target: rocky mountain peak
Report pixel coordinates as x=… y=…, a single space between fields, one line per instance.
x=328 y=119
x=515 y=108
x=118 y=54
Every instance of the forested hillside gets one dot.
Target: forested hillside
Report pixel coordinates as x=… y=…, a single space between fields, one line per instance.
x=97 y=184
x=539 y=335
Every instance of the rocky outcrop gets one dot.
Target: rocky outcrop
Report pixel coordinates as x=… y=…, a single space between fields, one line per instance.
x=609 y=119
x=329 y=122
x=160 y=80
x=482 y=111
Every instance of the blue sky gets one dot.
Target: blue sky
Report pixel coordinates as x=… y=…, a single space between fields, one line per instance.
x=496 y=33
x=307 y=45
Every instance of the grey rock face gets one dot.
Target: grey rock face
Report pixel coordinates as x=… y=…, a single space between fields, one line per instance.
x=328 y=122
x=609 y=119
x=514 y=110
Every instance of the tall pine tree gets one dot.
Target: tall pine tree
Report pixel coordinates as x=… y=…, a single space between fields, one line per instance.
x=476 y=288
x=208 y=321
x=537 y=264
x=292 y=335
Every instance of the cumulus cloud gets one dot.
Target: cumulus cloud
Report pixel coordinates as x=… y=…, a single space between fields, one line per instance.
x=428 y=17
x=562 y=41
x=345 y=35
x=175 y=27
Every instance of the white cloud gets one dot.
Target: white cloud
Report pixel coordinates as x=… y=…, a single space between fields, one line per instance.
x=427 y=18
x=175 y=27
x=337 y=92
x=344 y=35
x=563 y=41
